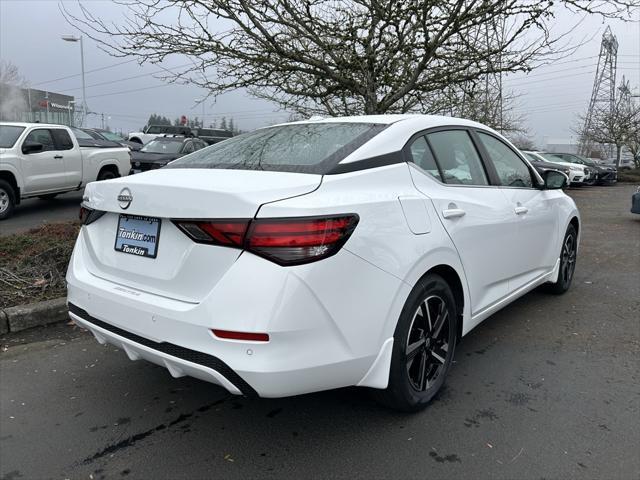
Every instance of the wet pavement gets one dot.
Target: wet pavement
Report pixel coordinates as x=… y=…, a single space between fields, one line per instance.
x=547 y=388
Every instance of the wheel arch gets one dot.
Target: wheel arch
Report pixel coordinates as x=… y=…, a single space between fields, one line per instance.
x=11 y=179
x=454 y=281
x=109 y=167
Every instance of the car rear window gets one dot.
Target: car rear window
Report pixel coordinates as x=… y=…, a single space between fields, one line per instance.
x=9 y=134
x=303 y=148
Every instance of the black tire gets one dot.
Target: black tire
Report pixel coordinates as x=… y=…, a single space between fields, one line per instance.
x=106 y=175
x=568 y=257
x=421 y=356
x=7 y=200
x=49 y=196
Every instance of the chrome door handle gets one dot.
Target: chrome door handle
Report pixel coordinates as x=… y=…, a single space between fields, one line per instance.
x=453 y=213
x=521 y=210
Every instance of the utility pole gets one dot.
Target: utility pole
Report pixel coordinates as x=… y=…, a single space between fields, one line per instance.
x=85 y=108
x=603 y=95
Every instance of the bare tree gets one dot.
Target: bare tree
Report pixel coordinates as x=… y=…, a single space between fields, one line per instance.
x=13 y=104
x=522 y=141
x=619 y=126
x=338 y=56
x=633 y=144
x=10 y=75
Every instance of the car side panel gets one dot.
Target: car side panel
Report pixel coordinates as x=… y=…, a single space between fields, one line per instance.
x=383 y=237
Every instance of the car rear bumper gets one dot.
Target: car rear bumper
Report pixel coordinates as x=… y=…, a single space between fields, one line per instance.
x=322 y=334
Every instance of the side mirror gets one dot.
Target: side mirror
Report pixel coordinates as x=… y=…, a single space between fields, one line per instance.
x=554 y=180
x=32 y=147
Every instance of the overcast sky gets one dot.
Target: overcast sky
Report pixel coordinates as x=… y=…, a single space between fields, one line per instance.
x=550 y=97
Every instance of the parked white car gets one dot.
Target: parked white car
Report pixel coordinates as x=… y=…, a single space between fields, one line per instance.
x=41 y=160
x=321 y=254
x=578 y=173
x=154 y=131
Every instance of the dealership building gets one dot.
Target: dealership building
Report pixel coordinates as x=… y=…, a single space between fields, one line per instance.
x=32 y=105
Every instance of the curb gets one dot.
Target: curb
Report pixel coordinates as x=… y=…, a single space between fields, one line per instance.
x=15 y=319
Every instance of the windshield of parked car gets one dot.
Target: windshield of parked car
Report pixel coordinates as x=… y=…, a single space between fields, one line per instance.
x=162 y=146
x=304 y=148
x=111 y=136
x=81 y=134
x=9 y=134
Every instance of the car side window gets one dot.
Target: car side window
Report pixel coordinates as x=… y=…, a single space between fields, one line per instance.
x=512 y=171
x=458 y=158
x=62 y=139
x=422 y=156
x=42 y=136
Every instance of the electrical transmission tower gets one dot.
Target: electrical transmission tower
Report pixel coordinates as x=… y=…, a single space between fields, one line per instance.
x=483 y=100
x=603 y=95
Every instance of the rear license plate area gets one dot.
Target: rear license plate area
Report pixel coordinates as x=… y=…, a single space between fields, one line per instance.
x=138 y=235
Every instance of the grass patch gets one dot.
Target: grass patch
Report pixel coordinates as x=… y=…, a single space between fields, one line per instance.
x=631 y=176
x=33 y=265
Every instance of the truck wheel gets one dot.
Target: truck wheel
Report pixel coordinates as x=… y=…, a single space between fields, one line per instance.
x=7 y=200
x=106 y=175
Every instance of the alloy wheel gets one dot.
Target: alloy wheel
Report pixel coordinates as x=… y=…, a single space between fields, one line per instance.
x=4 y=201
x=427 y=346
x=568 y=259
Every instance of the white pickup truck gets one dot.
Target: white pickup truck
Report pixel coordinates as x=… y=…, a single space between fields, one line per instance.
x=154 y=131
x=41 y=160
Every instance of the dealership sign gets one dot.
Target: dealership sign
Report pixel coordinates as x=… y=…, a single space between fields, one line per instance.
x=47 y=103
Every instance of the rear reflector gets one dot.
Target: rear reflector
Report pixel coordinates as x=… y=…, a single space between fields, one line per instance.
x=285 y=241
x=247 y=336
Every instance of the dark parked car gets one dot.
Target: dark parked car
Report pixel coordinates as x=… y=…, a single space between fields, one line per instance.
x=87 y=140
x=605 y=174
x=543 y=167
x=157 y=153
x=212 y=135
x=101 y=134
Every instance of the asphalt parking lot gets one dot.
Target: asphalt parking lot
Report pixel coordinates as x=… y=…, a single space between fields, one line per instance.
x=33 y=212
x=547 y=388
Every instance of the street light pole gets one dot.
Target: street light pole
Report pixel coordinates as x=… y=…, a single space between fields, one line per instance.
x=73 y=38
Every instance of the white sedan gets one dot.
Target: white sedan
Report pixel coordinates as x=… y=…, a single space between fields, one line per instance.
x=321 y=254
x=578 y=173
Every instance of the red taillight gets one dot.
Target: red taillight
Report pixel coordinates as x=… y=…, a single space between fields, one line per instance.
x=246 y=336
x=286 y=241
x=229 y=233
x=294 y=241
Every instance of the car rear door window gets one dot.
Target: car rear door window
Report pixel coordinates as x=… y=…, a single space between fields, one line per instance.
x=458 y=158
x=62 y=139
x=423 y=157
x=43 y=136
x=512 y=171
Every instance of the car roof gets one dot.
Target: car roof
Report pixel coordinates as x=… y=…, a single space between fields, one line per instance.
x=31 y=124
x=173 y=138
x=388 y=119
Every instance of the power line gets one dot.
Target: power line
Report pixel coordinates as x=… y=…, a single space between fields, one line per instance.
x=87 y=71
x=128 y=78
